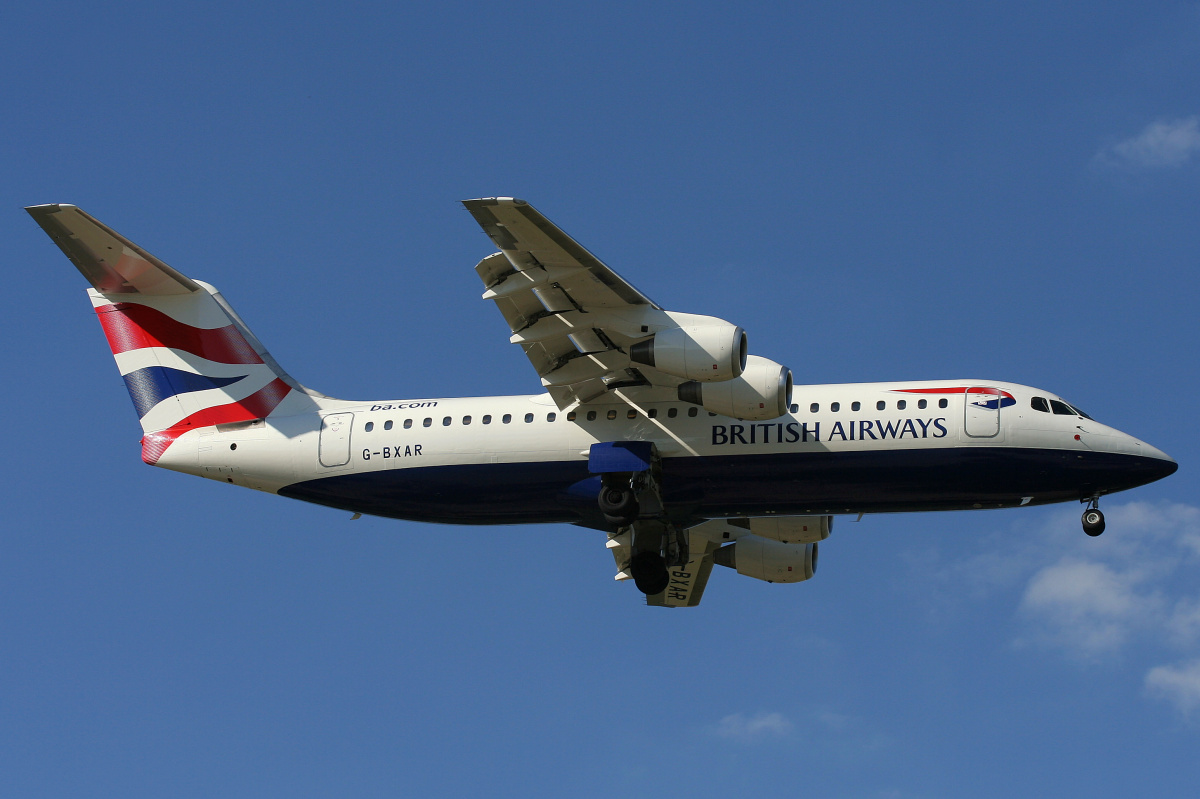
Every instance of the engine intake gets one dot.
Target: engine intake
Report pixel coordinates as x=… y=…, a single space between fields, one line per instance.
x=697 y=352
x=772 y=561
x=763 y=391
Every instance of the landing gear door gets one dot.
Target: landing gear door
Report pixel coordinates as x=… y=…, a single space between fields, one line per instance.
x=334 y=449
x=983 y=412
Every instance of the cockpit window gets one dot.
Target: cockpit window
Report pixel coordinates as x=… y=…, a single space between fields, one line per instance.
x=1062 y=408
x=1081 y=413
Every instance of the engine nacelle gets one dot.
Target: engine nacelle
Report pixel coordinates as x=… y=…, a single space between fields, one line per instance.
x=793 y=529
x=763 y=392
x=697 y=352
x=773 y=561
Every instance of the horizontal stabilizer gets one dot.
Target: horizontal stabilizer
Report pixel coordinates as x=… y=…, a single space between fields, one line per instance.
x=109 y=261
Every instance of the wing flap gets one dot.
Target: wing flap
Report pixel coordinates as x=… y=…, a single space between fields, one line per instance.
x=572 y=315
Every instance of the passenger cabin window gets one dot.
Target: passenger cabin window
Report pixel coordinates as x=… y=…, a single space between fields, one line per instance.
x=487 y=419
x=446 y=421
x=879 y=406
x=387 y=425
x=1040 y=404
x=370 y=426
x=901 y=404
x=693 y=411
x=793 y=409
x=612 y=414
x=631 y=414
x=922 y=404
x=854 y=406
x=427 y=422
x=507 y=418
x=407 y=423
x=672 y=413
x=591 y=416
x=466 y=420
x=652 y=413
x=550 y=417
x=571 y=416
x=816 y=406
x=528 y=418
x=835 y=406
x=943 y=403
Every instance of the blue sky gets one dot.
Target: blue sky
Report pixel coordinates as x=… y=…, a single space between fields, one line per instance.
x=919 y=191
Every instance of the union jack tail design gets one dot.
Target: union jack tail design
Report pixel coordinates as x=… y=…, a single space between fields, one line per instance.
x=187 y=359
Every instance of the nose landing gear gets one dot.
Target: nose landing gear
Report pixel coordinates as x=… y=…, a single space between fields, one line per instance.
x=1093 y=519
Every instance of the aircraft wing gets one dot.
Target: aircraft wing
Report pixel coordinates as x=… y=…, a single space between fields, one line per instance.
x=573 y=316
x=688 y=580
x=687 y=583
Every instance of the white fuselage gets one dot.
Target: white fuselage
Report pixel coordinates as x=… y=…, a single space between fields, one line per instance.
x=399 y=458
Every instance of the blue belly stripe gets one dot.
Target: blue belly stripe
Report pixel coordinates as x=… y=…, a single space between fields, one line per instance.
x=919 y=479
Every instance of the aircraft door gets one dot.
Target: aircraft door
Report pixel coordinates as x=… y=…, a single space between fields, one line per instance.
x=982 y=412
x=334 y=446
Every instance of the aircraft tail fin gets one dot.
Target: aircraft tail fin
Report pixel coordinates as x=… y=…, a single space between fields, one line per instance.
x=188 y=360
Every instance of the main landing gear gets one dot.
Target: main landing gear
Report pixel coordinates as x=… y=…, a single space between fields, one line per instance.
x=618 y=500
x=645 y=544
x=1093 y=519
x=631 y=502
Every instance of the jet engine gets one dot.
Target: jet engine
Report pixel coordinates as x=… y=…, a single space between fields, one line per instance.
x=763 y=391
x=697 y=352
x=773 y=561
x=793 y=529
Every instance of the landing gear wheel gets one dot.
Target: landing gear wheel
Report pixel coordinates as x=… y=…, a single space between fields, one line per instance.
x=618 y=504
x=1093 y=522
x=649 y=573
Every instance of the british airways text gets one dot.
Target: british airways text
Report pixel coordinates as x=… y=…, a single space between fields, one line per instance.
x=803 y=432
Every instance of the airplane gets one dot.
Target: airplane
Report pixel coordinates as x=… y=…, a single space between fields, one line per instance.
x=655 y=427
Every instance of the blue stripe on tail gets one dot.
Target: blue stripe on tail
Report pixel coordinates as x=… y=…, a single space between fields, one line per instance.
x=150 y=386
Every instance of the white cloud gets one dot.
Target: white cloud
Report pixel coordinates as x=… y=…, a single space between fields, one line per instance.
x=1089 y=608
x=1164 y=143
x=737 y=727
x=1133 y=593
x=839 y=722
x=1179 y=685
x=1137 y=582
x=981 y=574
x=1171 y=520
x=1184 y=623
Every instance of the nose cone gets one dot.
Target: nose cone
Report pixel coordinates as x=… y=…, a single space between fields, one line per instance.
x=1165 y=464
x=1152 y=463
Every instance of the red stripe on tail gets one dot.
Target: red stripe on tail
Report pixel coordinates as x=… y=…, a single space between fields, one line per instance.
x=256 y=406
x=130 y=326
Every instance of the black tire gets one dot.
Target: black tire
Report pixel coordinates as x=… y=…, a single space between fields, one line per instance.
x=649 y=573
x=1093 y=522
x=618 y=504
